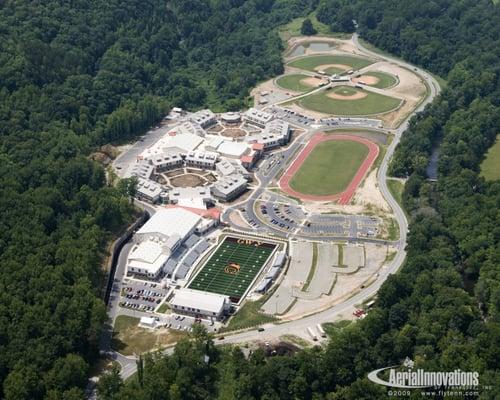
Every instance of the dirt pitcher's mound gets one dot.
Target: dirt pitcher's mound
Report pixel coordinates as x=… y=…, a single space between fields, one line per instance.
x=312 y=81
x=354 y=96
x=323 y=67
x=366 y=80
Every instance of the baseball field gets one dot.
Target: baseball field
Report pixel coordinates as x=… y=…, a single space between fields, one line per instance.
x=349 y=101
x=332 y=64
x=377 y=79
x=233 y=267
x=295 y=82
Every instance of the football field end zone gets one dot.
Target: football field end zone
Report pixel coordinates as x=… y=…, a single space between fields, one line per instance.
x=342 y=197
x=277 y=245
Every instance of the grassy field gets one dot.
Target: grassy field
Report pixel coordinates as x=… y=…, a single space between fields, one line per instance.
x=331 y=328
x=396 y=188
x=129 y=338
x=329 y=168
x=249 y=315
x=232 y=267
x=373 y=103
x=164 y=309
x=490 y=167
x=385 y=80
x=293 y=29
x=311 y=62
x=293 y=82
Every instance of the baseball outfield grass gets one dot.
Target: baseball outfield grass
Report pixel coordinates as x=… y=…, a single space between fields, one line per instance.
x=385 y=80
x=293 y=82
x=490 y=167
x=373 y=103
x=310 y=63
x=329 y=168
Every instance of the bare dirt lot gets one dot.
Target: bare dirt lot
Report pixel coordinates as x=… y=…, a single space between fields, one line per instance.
x=216 y=128
x=345 y=285
x=233 y=132
x=173 y=173
x=187 y=180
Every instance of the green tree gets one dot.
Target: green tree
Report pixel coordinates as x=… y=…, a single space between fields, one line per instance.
x=109 y=384
x=307 y=28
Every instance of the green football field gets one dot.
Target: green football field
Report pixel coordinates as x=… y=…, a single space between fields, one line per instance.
x=233 y=267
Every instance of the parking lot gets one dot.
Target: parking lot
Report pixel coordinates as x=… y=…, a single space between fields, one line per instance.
x=142 y=296
x=185 y=323
x=292 y=116
x=280 y=215
x=291 y=218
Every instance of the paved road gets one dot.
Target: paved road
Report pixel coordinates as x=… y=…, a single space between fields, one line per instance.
x=274 y=331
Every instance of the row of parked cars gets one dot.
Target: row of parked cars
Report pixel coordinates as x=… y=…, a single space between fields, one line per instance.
x=136 y=306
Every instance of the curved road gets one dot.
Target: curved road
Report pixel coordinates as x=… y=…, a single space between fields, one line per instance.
x=275 y=331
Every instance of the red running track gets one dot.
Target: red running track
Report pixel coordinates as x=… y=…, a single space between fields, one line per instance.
x=343 y=197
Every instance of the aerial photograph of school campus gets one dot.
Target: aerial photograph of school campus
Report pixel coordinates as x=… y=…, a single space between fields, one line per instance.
x=249 y=199
x=266 y=222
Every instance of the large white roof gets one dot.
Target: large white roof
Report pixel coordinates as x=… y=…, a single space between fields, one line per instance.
x=196 y=299
x=173 y=142
x=232 y=149
x=148 y=256
x=170 y=222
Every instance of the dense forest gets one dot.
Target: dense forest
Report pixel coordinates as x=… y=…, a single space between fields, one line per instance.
x=75 y=75
x=443 y=308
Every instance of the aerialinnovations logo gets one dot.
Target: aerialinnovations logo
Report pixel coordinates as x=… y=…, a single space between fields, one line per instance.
x=419 y=378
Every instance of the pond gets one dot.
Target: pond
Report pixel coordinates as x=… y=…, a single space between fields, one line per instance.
x=312 y=46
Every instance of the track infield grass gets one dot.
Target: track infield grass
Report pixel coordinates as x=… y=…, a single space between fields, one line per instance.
x=293 y=82
x=329 y=168
x=490 y=167
x=372 y=104
x=311 y=62
x=233 y=267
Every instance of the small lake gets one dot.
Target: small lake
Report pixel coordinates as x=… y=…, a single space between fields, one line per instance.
x=312 y=46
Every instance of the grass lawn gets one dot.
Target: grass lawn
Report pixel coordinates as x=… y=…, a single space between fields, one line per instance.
x=311 y=62
x=373 y=103
x=396 y=188
x=331 y=328
x=249 y=315
x=293 y=28
x=294 y=339
x=293 y=82
x=490 y=167
x=129 y=338
x=164 y=308
x=329 y=168
x=385 y=80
